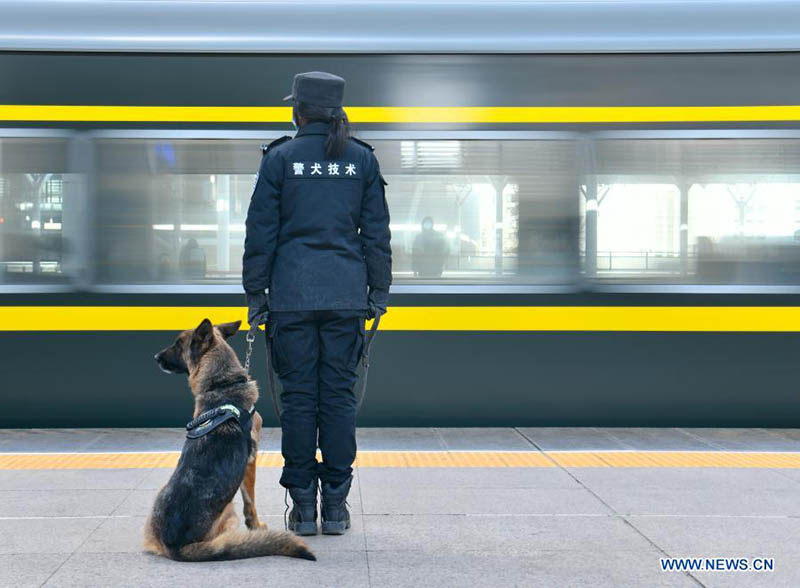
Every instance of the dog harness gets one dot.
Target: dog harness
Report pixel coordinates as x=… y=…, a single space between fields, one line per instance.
x=211 y=419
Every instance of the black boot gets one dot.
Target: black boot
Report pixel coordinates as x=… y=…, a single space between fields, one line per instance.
x=303 y=518
x=335 y=517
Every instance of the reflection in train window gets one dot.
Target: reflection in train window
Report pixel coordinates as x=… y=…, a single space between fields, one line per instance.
x=173 y=211
x=527 y=211
x=461 y=211
x=482 y=211
x=638 y=230
x=716 y=211
x=32 y=207
x=453 y=227
x=746 y=231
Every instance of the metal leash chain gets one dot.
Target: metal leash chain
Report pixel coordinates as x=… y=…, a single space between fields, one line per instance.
x=251 y=336
x=286 y=512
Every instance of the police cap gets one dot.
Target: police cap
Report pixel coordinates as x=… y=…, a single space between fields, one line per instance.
x=318 y=88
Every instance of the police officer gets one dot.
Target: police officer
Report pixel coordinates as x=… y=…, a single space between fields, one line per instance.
x=318 y=238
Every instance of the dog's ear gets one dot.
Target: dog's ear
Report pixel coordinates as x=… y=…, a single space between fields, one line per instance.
x=228 y=330
x=202 y=340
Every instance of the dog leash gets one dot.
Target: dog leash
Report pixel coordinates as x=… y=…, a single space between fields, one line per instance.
x=251 y=337
x=365 y=359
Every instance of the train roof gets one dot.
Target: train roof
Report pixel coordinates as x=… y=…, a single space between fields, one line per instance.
x=404 y=26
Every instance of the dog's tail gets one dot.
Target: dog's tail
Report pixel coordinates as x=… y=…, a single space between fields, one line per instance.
x=241 y=544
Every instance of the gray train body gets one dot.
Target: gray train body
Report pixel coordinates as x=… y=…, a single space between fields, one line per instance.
x=114 y=247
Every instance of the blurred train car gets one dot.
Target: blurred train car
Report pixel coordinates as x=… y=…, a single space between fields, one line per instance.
x=613 y=190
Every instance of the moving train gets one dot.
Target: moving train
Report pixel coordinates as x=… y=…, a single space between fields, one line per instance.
x=595 y=209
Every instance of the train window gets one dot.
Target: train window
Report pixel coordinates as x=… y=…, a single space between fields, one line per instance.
x=33 y=232
x=464 y=211
x=173 y=211
x=710 y=211
x=481 y=211
x=650 y=245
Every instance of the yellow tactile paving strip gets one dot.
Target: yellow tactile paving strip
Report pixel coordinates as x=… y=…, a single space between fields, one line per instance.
x=431 y=459
x=675 y=459
x=452 y=459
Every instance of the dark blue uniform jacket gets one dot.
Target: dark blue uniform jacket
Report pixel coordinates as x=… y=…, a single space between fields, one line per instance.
x=317 y=229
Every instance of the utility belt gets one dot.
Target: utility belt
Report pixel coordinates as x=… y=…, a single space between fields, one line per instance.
x=274 y=381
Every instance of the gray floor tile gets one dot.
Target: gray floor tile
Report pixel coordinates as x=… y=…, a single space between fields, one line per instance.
x=49 y=440
x=730 y=537
x=8 y=478
x=439 y=570
x=353 y=540
x=107 y=440
x=779 y=578
x=776 y=579
x=709 y=479
x=657 y=439
x=270 y=439
x=425 y=526
x=56 y=503
x=123 y=534
x=606 y=566
x=743 y=439
x=44 y=535
x=598 y=568
x=73 y=479
x=789 y=474
x=26 y=570
x=484 y=439
x=345 y=568
x=399 y=439
x=498 y=534
x=445 y=478
x=269 y=502
x=138 y=440
x=791 y=434
x=137 y=503
x=155 y=479
x=266 y=478
x=479 y=501
x=571 y=438
x=722 y=536
x=116 y=534
x=700 y=501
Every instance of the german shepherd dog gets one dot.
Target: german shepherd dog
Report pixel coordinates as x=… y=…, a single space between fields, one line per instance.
x=193 y=517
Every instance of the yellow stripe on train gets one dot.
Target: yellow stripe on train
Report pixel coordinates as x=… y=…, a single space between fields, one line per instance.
x=404 y=114
x=422 y=318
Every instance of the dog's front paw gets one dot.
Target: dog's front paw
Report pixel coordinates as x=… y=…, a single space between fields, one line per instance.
x=256 y=524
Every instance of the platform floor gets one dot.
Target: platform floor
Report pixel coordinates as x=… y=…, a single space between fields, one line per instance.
x=431 y=507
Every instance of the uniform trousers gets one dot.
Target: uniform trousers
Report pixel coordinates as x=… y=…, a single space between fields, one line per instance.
x=316 y=355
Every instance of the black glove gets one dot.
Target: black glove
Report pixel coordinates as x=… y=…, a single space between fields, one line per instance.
x=376 y=303
x=257 y=307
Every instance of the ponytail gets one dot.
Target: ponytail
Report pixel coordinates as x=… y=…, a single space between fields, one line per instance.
x=338 y=133
x=338 y=125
